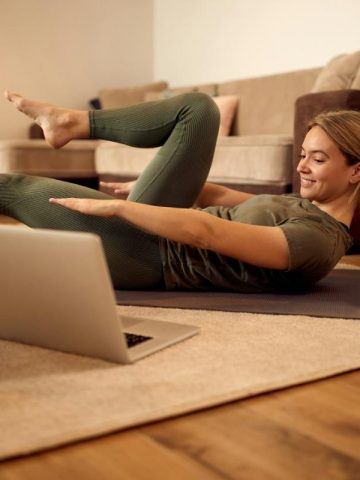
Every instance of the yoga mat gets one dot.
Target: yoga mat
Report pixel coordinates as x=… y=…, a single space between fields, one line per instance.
x=336 y=296
x=48 y=398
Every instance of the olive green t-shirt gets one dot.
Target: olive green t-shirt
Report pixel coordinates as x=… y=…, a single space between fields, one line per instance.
x=316 y=243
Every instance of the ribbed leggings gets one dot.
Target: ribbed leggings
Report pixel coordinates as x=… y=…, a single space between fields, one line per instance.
x=185 y=127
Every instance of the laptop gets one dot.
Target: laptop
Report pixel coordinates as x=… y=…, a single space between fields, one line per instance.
x=56 y=292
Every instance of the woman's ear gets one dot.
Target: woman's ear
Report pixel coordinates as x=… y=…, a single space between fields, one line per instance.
x=355 y=176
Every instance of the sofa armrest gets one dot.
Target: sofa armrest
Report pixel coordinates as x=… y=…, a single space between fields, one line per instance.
x=306 y=108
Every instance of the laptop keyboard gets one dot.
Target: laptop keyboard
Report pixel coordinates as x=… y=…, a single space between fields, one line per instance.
x=132 y=339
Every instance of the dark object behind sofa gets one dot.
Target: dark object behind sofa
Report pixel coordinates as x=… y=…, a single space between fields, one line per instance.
x=306 y=108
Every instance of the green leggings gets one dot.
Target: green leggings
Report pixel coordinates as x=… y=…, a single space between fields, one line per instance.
x=186 y=127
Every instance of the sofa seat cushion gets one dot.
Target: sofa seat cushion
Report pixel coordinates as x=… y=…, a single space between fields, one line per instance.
x=253 y=159
x=35 y=157
x=244 y=160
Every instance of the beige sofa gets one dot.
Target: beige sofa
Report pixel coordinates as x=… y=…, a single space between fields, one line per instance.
x=256 y=156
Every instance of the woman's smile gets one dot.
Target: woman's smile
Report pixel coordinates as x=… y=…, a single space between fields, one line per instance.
x=306 y=182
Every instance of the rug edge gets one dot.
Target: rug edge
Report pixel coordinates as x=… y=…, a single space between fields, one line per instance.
x=180 y=410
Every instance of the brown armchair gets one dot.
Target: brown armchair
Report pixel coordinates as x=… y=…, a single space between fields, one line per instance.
x=306 y=107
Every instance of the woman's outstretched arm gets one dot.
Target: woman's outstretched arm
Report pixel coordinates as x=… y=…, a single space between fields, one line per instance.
x=258 y=245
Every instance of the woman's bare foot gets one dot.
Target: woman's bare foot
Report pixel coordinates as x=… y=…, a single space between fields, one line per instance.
x=59 y=124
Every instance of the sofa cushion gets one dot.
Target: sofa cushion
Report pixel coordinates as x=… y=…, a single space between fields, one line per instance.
x=121 y=97
x=267 y=103
x=256 y=160
x=339 y=73
x=35 y=157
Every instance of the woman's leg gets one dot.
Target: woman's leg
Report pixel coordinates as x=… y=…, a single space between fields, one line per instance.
x=132 y=255
x=186 y=126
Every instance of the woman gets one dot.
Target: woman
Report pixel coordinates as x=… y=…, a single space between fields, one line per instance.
x=235 y=240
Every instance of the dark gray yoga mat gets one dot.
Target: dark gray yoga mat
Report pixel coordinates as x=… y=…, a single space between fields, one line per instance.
x=336 y=296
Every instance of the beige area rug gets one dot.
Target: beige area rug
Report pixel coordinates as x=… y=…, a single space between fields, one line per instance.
x=48 y=398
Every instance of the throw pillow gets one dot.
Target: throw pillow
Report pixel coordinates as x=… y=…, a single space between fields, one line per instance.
x=356 y=82
x=121 y=97
x=339 y=73
x=227 y=105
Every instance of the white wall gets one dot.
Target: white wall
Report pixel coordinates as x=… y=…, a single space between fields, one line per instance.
x=219 y=40
x=64 y=51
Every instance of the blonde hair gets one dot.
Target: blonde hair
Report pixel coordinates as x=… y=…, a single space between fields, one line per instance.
x=343 y=127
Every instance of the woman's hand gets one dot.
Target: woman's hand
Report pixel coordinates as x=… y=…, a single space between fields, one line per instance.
x=119 y=189
x=100 y=208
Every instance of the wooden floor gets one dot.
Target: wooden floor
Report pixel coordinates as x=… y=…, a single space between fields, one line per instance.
x=301 y=433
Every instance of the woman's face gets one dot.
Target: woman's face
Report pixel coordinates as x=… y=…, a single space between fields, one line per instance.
x=324 y=173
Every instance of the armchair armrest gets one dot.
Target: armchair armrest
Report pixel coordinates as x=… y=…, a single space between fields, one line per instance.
x=306 y=108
